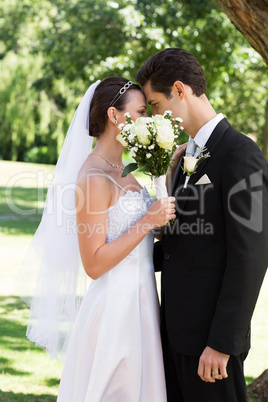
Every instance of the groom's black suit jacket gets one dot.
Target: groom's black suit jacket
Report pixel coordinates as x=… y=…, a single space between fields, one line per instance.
x=214 y=258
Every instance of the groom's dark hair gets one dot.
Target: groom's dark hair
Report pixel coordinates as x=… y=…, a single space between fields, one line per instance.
x=170 y=65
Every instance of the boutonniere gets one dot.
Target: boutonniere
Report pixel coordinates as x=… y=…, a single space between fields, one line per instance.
x=191 y=163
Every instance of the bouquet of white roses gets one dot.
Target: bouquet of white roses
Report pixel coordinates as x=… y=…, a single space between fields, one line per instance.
x=152 y=142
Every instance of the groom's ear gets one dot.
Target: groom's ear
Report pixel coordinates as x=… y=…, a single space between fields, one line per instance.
x=179 y=89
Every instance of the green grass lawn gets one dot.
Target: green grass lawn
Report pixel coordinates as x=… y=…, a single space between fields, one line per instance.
x=27 y=372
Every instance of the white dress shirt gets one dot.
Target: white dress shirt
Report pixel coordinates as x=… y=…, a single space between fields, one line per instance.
x=202 y=137
x=205 y=132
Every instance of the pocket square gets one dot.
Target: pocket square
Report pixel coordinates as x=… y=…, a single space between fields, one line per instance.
x=203 y=180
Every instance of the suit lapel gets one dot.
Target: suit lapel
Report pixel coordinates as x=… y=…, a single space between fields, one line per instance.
x=216 y=135
x=177 y=175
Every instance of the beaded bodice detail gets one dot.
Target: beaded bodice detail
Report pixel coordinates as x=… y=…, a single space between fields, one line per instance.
x=128 y=209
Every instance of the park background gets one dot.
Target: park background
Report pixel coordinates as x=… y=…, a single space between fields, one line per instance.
x=50 y=52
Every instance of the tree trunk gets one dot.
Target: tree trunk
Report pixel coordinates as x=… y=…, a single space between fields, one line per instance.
x=251 y=18
x=265 y=134
x=258 y=389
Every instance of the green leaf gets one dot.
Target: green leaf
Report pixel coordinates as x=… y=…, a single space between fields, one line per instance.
x=129 y=168
x=143 y=168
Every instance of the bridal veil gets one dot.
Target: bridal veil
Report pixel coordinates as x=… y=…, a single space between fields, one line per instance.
x=51 y=279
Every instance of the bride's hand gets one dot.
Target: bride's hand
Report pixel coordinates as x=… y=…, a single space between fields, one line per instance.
x=161 y=211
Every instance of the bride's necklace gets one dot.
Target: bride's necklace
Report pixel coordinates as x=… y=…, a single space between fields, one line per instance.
x=110 y=163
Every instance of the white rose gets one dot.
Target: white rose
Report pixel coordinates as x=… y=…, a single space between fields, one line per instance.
x=164 y=122
x=127 y=127
x=165 y=136
x=190 y=164
x=131 y=137
x=142 y=133
x=158 y=117
x=121 y=140
x=143 y=120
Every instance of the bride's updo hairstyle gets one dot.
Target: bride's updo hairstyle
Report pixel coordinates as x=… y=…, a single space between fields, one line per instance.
x=107 y=94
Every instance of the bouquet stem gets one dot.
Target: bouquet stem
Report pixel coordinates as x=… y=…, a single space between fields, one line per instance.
x=160 y=187
x=161 y=191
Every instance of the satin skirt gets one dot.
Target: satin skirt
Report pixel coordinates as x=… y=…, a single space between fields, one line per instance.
x=114 y=353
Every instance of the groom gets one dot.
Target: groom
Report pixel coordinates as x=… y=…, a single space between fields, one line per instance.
x=214 y=257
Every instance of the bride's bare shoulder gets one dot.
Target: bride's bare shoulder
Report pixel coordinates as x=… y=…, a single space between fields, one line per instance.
x=93 y=181
x=93 y=165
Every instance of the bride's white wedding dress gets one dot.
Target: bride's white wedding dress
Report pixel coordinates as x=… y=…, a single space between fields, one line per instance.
x=114 y=353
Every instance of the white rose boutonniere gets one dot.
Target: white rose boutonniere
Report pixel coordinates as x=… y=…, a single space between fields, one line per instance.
x=191 y=163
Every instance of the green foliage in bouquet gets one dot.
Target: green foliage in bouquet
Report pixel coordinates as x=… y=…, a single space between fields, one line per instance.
x=151 y=141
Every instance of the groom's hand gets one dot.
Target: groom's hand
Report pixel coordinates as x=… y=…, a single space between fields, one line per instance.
x=212 y=365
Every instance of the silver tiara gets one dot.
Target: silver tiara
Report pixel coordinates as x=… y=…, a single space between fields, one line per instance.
x=121 y=92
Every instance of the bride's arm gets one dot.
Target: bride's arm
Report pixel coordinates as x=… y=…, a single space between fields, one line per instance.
x=92 y=220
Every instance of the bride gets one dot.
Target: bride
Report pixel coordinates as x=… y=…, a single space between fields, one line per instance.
x=114 y=350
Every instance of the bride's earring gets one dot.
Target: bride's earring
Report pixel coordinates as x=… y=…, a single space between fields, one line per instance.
x=116 y=121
